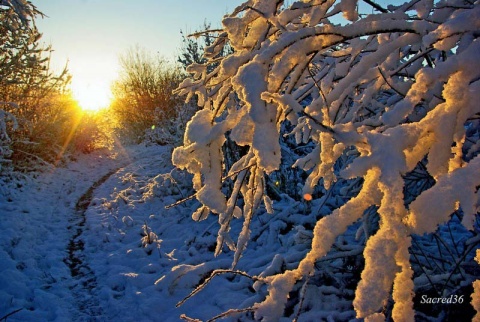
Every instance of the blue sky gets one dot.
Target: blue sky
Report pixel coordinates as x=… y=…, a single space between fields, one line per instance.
x=91 y=34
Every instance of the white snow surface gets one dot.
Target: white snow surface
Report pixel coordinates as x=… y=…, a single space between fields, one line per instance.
x=34 y=220
x=124 y=275
x=138 y=259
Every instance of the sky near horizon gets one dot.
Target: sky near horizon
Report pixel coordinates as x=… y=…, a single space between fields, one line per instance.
x=91 y=34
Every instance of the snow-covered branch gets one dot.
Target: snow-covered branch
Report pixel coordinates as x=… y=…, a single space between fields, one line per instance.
x=398 y=86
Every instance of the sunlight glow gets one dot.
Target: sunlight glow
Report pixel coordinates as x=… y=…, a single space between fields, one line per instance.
x=91 y=96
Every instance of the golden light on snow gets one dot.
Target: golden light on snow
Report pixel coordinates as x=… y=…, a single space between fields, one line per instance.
x=91 y=96
x=307 y=197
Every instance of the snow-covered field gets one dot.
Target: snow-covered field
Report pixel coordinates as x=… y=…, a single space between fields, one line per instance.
x=93 y=241
x=74 y=244
x=38 y=219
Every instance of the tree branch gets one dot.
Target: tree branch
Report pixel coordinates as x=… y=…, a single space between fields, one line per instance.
x=376 y=6
x=215 y=273
x=4 y=318
x=389 y=84
x=230 y=312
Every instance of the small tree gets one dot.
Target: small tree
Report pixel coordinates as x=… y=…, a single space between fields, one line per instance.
x=394 y=88
x=192 y=50
x=193 y=46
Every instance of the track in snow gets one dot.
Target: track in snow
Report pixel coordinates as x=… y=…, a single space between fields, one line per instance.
x=84 y=288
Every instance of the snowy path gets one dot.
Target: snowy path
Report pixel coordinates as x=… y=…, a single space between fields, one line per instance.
x=85 y=282
x=74 y=245
x=42 y=265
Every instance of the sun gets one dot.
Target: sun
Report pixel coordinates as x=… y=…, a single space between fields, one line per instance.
x=92 y=96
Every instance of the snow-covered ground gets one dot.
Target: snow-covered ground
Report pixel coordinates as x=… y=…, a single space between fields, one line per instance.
x=38 y=222
x=93 y=241
x=74 y=245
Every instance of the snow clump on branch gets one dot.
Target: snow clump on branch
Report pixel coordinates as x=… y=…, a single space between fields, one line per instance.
x=397 y=86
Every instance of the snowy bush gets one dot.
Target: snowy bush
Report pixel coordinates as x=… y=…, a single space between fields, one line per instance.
x=5 y=141
x=143 y=94
x=92 y=131
x=398 y=89
x=44 y=111
x=14 y=14
x=169 y=130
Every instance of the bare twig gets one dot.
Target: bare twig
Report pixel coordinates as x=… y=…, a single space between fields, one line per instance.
x=426 y=274
x=201 y=33
x=257 y=11
x=237 y=172
x=445 y=245
x=303 y=291
x=188 y=319
x=389 y=84
x=36 y=157
x=181 y=201
x=425 y=255
x=411 y=60
x=208 y=279
x=376 y=6
x=323 y=126
x=4 y=318
x=329 y=194
x=195 y=194
x=230 y=312
x=318 y=86
x=336 y=255
x=458 y=262
x=453 y=240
